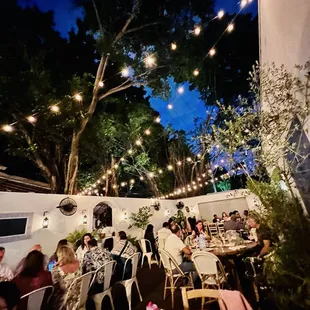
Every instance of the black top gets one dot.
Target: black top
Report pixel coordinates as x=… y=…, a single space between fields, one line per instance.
x=265 y=233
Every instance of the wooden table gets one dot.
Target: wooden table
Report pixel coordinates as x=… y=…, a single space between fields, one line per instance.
x=229 y=251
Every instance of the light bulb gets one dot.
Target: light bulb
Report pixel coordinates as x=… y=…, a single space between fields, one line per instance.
x=130 y=152
x=170 y=106
x=125 y=72
x=212 y=52
x=54 y=108
x=199 y=155
x=243 y=3
x=103 y=177
x=132 y=181
x=151 y=174
x=100 y=84
x=170 y=167
x=138 y=142
x=197 y=30
x=220 y=14
x=173 y=46
x=160 y=171
x=7 y=128
x=147 y=132
x=31 y=119
x=179 y=163
x=114 y=186
x=157 y=119
x=189 y=159
x=78 y=97
x=230 y=27
x=109 y=172
x=150 y=61
x=116 y=166
x=196 y=72
x=122 y=159
x=180 y=90
x=141 y=178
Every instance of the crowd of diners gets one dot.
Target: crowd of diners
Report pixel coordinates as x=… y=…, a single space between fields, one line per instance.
x=36 y=270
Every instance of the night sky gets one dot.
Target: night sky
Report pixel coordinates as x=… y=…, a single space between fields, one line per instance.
x=185 y=107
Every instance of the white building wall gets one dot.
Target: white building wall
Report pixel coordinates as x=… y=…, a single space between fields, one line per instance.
x=60 y=226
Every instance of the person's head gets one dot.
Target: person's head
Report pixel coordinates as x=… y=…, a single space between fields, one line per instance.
x=246 y=213
x=2 y=252
x=231 y=213
x=149 y=228
x=215 y=216
x=165 y=225
x=224 y=215
x=33 y=264
x=9 y=296
x=176 y=230
x=187 y=209
x=85 y=240
x=92 y=243
x=65 y=255
x=199 y=226
x=253 y=221
x=122 y=235
x=171 y=222
x=61 y=243
x=237 y=213
x=36 y=247
x=233 y=217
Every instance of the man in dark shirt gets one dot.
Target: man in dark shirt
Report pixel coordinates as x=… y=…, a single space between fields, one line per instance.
x=265 y=237
x=232 y=224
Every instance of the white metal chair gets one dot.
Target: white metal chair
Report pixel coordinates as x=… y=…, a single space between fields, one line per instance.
x=84 y=282
x=213 y=229
x=134 y=259
x=173 y=273
x=220 y=227
x=108 y=272
x=35 y=298
x=145 y=254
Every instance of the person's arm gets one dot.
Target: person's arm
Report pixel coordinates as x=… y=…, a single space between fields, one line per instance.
x=265 y=249
x=187 y=251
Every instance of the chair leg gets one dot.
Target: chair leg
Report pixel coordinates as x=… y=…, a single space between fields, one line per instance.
x=111 y=301
x=138 y=289
x=165 y=288
x=149 y=260
x=142 y=260
x=128 y=289
x=172 y=289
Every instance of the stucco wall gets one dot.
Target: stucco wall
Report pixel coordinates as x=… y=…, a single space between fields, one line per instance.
x=60 y=226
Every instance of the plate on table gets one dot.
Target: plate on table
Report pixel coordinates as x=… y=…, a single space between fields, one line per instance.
x=208 y=249
x=247 y=241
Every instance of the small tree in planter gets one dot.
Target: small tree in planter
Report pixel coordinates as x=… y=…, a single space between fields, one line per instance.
x=141 y=218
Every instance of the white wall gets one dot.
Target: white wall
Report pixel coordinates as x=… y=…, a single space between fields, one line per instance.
x=60 y=226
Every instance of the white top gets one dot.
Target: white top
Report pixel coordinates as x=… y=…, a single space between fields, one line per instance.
x=174 y=246
x=80 y=253
x=164 y=233
x=6 y=272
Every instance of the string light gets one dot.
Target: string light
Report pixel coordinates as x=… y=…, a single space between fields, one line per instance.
x=180 y=90
x=138 y=142
x=103 y=177
x=220 y=14
x=147 y=132
x=114 y=186
x=212 y=52
x=170 y=167
x=132 y=181
x=123 y=184
x=230 y=27
x=173 y=46
x=54 y=108
x=122 y=159
x=197 y=30
x=160 y=171
x=170 y=106
x=116 y=166
x=196 y=72
x=78 y=97
x=125 y=72
x=189 y=159
x=7 y=128
x=31 y=119
x=151 y=175
x=179 y=163
x=243 y=3
x=199 y=155
x=109 y=172
x=157 y=119
x=100 y=84
x=141 y=178
x=130 y=151
x=150 y=61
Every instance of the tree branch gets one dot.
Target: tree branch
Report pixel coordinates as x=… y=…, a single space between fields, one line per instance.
x=115 y=90
x=141 y=27
x=98 y=18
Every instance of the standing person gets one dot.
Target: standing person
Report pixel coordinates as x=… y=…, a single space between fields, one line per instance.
x=176 y=247
x=94 y=259
x=163 y=234
x=33 y=275
x=83 y=248
x=54 y=258
x=149 y=235
x=6 y=273
x=63 y=274
x=9 y=296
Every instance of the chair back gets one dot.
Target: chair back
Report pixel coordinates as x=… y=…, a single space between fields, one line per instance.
x=143 y=245
x=161 y=243
x=35 y=298
x=169 y=263
x=84 y=282
x=220 y=227
x=134 y=259
x=108 y=269
x=213 y=229
x=201 y=293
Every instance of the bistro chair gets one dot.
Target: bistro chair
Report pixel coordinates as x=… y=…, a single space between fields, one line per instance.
x=202 y=293
x=108 y=272
x=212 y=227
x=220 y=228
x=173 y=273
x=84 y=281
x=144 y=244
x=36 y=298
x=134 y=259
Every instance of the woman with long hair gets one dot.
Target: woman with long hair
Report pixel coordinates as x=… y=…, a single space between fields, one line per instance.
x=33 y=275
x=64 y=273
x=149 y=235
x=54 y=258
x=200 y=230
x=83 y=248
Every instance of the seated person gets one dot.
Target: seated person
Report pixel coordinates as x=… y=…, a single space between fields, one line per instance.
x=121 y=252
x=54 y=259
x=9 y=296
x=232 y=224
x=216 y=219
x=191 y=240
x=175 y=247
x=163 y=234
x=95 y=258
x=265 y=238
x=6 y=273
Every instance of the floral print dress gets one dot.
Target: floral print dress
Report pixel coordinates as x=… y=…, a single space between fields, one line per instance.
x=62 y=282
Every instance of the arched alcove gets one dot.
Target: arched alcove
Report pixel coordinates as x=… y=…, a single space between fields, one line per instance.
x=102 y=214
